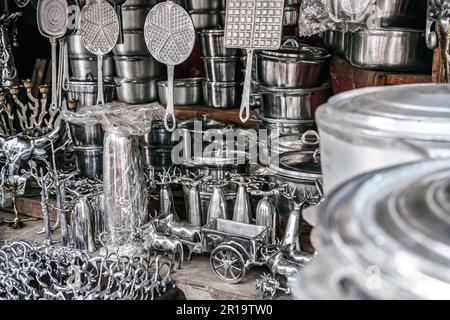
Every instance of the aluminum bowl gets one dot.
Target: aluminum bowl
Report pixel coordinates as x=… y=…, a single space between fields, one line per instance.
x=291 y=67
x=136 y=91
x=205 y=19
x=157 y=157
x=293 y=104
x=186 y=92
x=86 y=136
x=133 y=44
x=158 y=136
x=290 y=17
x=203 y=5
x=133 y=17
x=138 y=67
x=224 y=95
x=222 y=69
x=84 y=66
x=76 y=47
x=212 y=43
x=281 y=128
x=85 y=92
x=400 y=50
x=89 y=162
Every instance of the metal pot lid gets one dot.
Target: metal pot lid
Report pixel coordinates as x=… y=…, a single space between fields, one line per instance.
x=224 y=158
x=207 y=124
x=294 y=92
x=397 y=219
x=302 y=52
x=297 y=164
x=308 y=141
x=420 y=111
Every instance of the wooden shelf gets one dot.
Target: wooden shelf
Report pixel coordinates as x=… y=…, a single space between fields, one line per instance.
x=347 y=77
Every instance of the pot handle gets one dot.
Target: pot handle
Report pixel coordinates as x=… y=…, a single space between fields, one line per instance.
x=291 y=42
x=316 y=155
x=313 y=134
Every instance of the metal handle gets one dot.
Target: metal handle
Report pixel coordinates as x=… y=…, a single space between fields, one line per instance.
x=53 y=104
x=292 y=42
x=170 y=112
x=65 y=79
x=244 y=113
x=310 y=133
x=100 y=97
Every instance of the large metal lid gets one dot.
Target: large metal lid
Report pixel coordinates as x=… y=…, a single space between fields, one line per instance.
x=302 y=52
x=297 y=165
x=419 y=112
x=397 y=219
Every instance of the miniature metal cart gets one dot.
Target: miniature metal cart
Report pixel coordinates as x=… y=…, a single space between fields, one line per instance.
x=233 y=247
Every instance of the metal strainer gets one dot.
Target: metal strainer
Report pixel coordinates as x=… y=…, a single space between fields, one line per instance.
x=253 y=24
x=99 y=29
x=53 y=23
x=170 y=37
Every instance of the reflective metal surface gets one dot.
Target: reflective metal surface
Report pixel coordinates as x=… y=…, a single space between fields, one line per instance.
x=84 y=66
x=213 y=44
x=186 y=91
x=136 y=91
x=133 y=45
x=222 y=69
x=222 y=94
x=205 y=19
x=138 y=68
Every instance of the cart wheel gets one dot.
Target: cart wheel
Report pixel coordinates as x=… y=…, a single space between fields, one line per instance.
x=228 y=264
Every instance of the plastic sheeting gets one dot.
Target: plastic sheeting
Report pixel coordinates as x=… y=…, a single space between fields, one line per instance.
x=125 y=194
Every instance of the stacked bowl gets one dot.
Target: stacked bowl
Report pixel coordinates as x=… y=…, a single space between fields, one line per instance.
x=222 y=66
x=137 y=70
x=206 y=13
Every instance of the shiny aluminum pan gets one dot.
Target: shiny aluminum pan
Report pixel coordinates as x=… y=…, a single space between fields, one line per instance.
x=136 y=91
x=84 y=66
x=85 y=92
x=133 y=45
x=187 y=92
x=76 y=47
x=222 y=95
x=213 y=45
x=401 y=50
x=394 y=221
x=222 y=69
x=205 y=19
x=133 y=17
x=138 y=67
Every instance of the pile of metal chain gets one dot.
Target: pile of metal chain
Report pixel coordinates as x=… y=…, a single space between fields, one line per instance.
x=31 y=271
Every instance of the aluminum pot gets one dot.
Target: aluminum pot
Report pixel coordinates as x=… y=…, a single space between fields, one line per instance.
x=290 y=17
x=82 y=66
x=85 y=92
x=292 y=2
x=374 y=128
x=398 y=14
x=187 y=92
x=136 y=91
x=133 y=44
x=76 y=47
x=213 y=44
x=400 y=50
x=290 y=67
x=222 y=69
x=206 y=5
x=138 y=67
x=299 y=170
x=157 y=157
x=205 y=19
x=86 y=135
x=158 y=136
x=149 y=3
x=89 y=162
x=281 y=128
x=224 y=95
x=293 y=104
x=133 y=17
x=335 y=41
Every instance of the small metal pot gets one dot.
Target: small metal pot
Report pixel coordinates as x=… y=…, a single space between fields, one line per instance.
x=76 y=47
x=86 y=136
x=138 y=67
x=205 y=19
x=399 y=14
x=85 y=92
x=224 y=95
x=89 y=162
x=280 y=128
x=213 y=44
x=156 y=157
x=186 y=92
x=290 y=17
x=293 y=104
x=291 y=67
x=401 y=50
x=136 y=91
x=133 y=44
x=222 y=69
x=82 y=66
x=206 y=5
x=158 y=136
x=133 y=17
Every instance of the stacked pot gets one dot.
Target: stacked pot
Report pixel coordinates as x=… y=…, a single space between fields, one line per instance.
x=206 y=13
x=222 y=87
x=137 y=71
x=292 y=84
x=291 y=13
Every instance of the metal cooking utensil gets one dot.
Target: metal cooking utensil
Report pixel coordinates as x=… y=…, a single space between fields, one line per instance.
x=252 y=24
x=99 y=29
x=170 y=37
x=53 y=23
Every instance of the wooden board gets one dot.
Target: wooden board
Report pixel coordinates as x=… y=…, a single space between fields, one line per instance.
x=347 y=77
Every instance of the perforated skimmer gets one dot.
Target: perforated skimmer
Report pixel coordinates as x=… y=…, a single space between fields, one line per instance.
x=99 y=29
x=170 y=37
x=253 y=24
